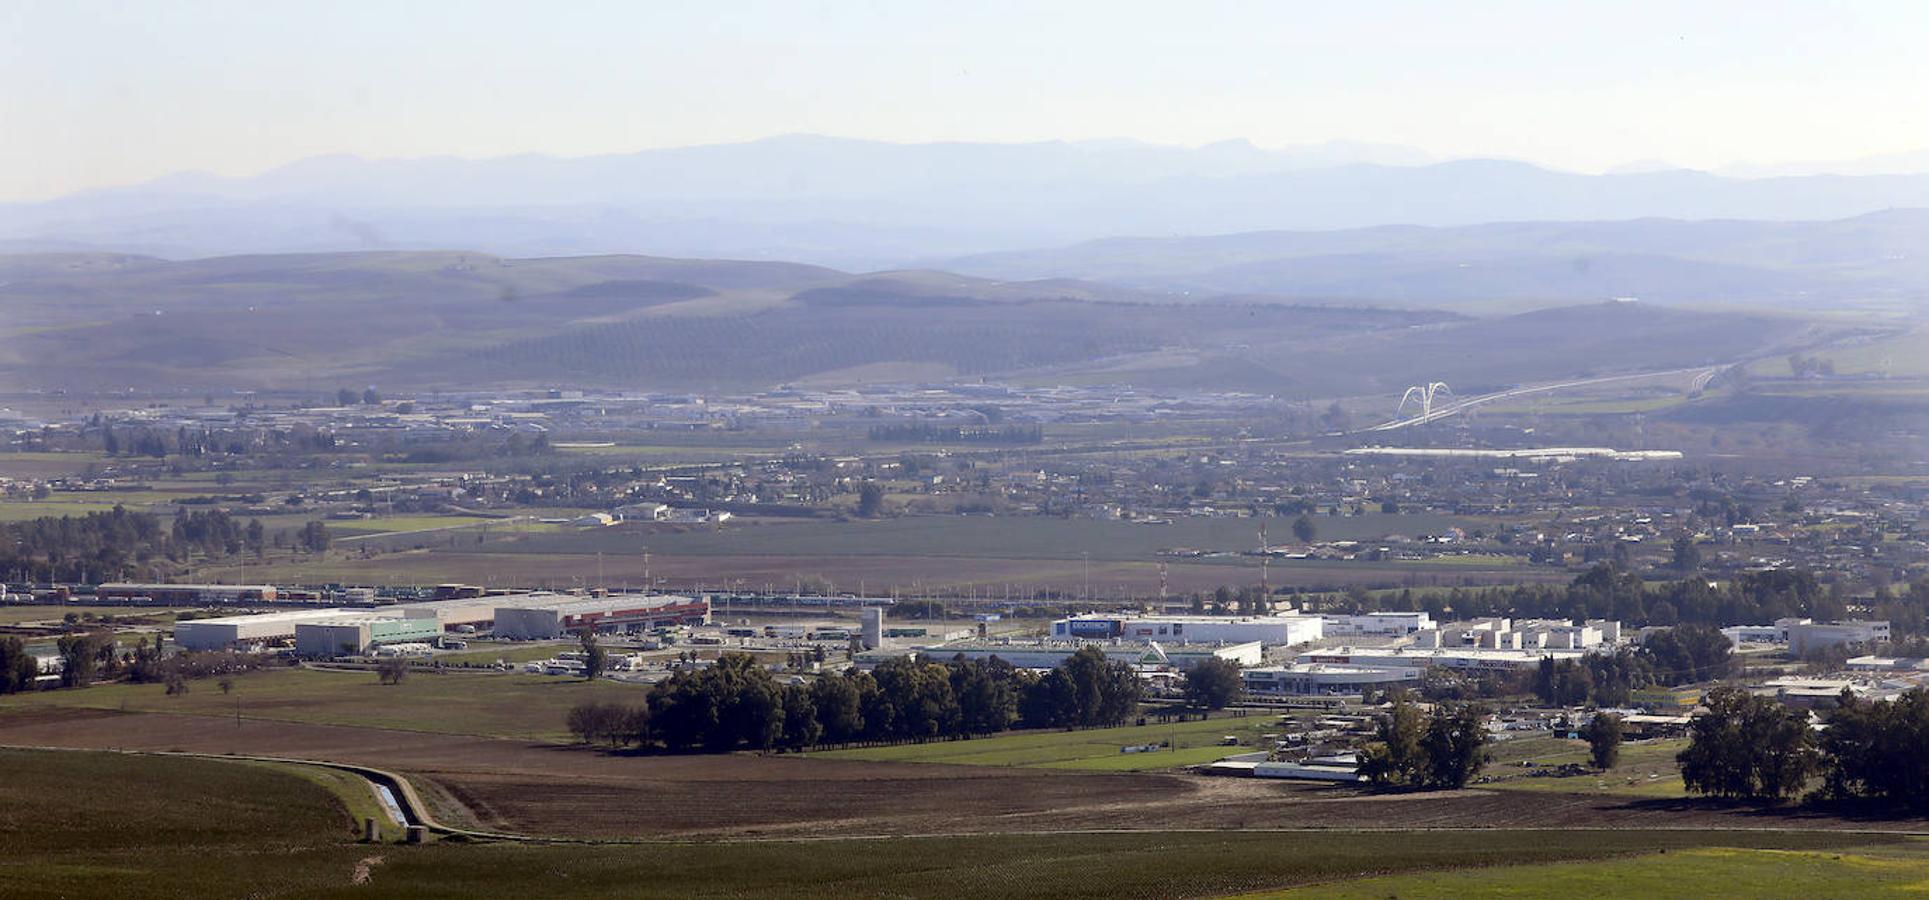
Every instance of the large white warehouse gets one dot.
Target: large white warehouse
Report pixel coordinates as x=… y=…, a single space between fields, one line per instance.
x=1271 y=631
x=1048 y=654
x=560 y=617
x=229 y=632
x=1324 y=678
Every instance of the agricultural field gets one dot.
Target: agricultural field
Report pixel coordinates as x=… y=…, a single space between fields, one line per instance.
x=104 y=824
x=1095 y=750
x=1025 y=537
x=528 y=707
x=954 y=576
x=559 y=789
x=1041 y=866
x=962 y=555
x=1887 y=869
x=197 y=828
x=14 y=614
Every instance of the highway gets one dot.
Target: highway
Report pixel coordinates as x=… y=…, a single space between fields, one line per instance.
x=1702 y=375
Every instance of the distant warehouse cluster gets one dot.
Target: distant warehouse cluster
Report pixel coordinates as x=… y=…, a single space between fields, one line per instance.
x=529 y=616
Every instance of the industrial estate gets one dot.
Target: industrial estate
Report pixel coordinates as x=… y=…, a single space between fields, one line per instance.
x=830 y=517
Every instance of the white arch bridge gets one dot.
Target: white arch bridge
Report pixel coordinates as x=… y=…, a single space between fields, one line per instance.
x=1429 y=395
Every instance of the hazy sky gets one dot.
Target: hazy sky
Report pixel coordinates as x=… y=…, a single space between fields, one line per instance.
x=95 y=93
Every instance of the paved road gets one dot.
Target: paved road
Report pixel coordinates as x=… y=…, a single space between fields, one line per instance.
x=1702 y=375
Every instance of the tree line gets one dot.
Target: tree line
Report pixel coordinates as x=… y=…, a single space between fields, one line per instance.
x=119 y=543
x=87 y=657
x=1441 y=750
x=1685 y=654
x=1752 y=747
x=738 y=704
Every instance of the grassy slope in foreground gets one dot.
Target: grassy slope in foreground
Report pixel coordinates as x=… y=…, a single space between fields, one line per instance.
x=86 y=824
x=1884 y=870
x=101 y=824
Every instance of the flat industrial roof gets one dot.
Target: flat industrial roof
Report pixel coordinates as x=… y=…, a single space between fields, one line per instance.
x=280 y=615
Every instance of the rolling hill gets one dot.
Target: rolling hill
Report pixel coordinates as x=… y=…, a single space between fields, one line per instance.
x=444 y=319
x=1872 y=260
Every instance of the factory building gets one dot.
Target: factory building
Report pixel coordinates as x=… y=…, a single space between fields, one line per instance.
x=187 y=594
x=1271 y=631
x=1526 y=634
x=355 y=634
x=1326 y=678
x=1807 y=637
x=1474 y=658
x=605 y=615
x=239 y=632
x=1048 y=654
x=1377 y=623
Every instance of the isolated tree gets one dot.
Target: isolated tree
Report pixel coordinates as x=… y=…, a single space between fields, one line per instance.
x=18 y=668
x=1214 y=684
x=1303 y=530
x=392 y=670
x=1686 y=556
x=1455 y=746
x=1442 y=751
x=595 y=658
x=1336 y=418
x=256 y=537
x=870 y=500
x=1394 y=757
x=1603 y=734
x=346 y=397
x=314 y=537
x=370 y=397
x=614 y=724
x=81 y=656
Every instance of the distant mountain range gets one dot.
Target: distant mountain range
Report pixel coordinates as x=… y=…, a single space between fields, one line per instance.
x=867 y=205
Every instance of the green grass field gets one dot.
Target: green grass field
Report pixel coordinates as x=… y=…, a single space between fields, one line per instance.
x=87 y=824
x=1883 y=870
x=1095 y=750
x=529 y=707
x=104 y=824
x=1646 y=768
x=403 y=524
x=24 y=510
x=486 y=653
x=14 y=614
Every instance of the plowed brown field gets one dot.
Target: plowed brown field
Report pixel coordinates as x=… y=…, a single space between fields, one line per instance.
x=549 y=789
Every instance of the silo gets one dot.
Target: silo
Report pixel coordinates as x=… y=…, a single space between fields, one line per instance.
x=873 y=627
